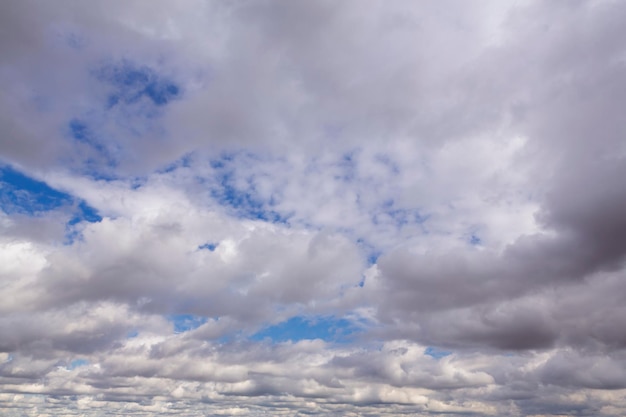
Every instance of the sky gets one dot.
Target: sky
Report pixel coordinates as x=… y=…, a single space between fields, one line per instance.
x=313 y=208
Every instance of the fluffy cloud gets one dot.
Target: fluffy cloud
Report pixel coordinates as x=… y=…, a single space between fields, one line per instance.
x=355 y=208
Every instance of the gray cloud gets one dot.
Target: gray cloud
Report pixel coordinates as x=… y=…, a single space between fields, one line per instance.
x=447 y=178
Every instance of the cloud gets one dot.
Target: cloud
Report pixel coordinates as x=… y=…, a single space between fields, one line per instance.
x=355 y=208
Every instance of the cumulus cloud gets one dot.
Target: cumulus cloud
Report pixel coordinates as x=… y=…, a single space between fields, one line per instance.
x=355 y=208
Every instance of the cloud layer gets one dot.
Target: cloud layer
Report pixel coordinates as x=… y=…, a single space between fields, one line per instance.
x=312 y=208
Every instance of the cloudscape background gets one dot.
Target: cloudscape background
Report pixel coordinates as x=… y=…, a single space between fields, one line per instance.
x=289 y=208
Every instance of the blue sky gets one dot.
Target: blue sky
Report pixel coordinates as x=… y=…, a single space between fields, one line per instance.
x=297 y=328
x=312 y=208
x=21 y=194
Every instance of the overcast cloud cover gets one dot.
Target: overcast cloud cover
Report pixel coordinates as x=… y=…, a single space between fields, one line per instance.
x=288 y=208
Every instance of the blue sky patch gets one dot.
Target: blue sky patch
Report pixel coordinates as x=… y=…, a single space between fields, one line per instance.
x=348 y=166
x=85 y=213
x=22 y=194
x=474 y=240
x=246 y=205
x=371 y=252
x=185 y=322
x=77 y=363
x=329 y=329
x=209 y=246
x=133 y=100
x=436 y=353
x=80 y=131
x=372 y=258
x=182 y=162
x=132 y=83
x=243 y=200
